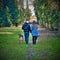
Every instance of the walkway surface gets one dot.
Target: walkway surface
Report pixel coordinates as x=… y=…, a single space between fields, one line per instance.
x=43 y=33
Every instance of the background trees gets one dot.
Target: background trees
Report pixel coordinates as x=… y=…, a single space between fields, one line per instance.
x=47 y=12
x=12 y=12
x=8 y=12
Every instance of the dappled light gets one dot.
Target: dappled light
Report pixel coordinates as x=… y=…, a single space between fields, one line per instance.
x=6 y=33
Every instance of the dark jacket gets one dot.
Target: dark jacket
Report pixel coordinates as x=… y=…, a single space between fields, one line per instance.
x=26 y=27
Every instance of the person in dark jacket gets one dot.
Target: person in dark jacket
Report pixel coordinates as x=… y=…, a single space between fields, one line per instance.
x=26 y=28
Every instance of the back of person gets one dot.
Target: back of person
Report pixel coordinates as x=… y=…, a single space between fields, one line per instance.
x=34 y=29
x=26 y=27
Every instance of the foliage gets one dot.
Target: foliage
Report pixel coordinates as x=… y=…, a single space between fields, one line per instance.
x=27 y=13
x=9 y=12
x=47 y=11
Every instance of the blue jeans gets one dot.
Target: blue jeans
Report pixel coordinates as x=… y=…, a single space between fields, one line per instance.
x=26 y=34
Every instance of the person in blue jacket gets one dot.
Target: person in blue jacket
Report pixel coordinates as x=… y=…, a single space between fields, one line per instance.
x=26 y=28
x=34 y=31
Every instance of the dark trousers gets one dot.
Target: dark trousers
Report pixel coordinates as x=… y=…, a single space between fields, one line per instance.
x=34 y=39
x=26 y=34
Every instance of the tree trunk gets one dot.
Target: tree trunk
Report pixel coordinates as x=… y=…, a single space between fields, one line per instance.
x=47 y=25
x=51 y=26
x=59 y=28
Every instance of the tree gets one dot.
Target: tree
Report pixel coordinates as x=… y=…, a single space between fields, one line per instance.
x=28 y=12
x=46 y=12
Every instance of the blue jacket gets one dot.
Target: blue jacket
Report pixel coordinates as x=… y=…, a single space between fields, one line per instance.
x=34 y=31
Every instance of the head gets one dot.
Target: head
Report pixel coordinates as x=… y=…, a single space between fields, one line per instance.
x=34 y=22
x=27 y=21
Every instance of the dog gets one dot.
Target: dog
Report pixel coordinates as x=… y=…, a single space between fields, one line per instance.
x=20 y=38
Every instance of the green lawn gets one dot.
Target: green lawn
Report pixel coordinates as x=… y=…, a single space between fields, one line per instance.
x=47 y=49
x=10 y=48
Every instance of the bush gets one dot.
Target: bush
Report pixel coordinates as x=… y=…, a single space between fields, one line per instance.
x=6 y=24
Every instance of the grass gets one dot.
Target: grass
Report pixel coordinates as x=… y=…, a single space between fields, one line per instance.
x=10 y=49
x=48 y=48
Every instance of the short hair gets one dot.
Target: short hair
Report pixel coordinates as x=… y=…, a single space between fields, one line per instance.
x=34 y=22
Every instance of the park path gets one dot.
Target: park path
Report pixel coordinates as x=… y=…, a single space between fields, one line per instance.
x=43 y=33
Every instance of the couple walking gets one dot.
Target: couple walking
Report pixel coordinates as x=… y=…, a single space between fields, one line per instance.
x=33 y=28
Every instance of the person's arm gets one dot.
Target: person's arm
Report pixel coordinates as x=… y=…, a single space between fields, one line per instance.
x=30 y=28
x=36 y=26
x=23 y=26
